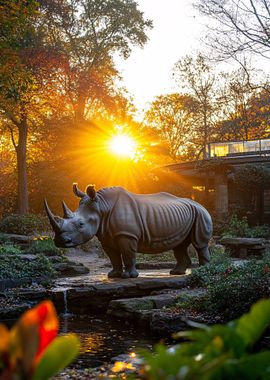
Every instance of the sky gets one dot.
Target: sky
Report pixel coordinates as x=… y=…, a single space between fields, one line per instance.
x=177 y=29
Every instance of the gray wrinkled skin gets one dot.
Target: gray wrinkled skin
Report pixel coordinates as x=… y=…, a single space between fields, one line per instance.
x=126 y=223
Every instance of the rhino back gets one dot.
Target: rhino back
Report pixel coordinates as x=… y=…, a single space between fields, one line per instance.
x=165 y=218
x=160 y=220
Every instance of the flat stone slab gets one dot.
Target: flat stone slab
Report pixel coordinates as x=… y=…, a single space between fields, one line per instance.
x=85 y=294
x=18 y=239
x=242 y=247
x=249 y=242
x=156 y=278
x=152 y=310
x=135 y=308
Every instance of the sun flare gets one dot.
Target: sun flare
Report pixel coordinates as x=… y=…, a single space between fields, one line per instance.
x=123 y=145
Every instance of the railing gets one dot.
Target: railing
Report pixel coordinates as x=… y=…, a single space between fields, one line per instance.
x=239 y=148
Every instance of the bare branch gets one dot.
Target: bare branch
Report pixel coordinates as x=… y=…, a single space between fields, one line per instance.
x=12 y=137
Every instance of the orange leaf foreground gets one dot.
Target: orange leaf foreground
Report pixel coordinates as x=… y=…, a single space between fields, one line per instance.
x=22 y=347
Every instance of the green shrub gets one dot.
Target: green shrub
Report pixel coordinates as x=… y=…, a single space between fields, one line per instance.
x=15 y=267
x=237 y=227
x=9 y=249
x=240 y=228
x=45 y=245
x=231 y=289
x=205 y=275
x=238 y=288
x=160 y=257
x=24 y=224
x=260 y=232
x=219 y=352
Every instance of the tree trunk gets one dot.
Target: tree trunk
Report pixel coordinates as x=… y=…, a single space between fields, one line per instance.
x=205 y=132
x=23 y=203
x=81 y=99
x=79 y=111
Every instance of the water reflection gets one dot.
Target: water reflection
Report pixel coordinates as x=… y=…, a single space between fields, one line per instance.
x=103 y=338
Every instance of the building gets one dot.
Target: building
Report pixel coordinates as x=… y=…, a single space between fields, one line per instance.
x=234 y=177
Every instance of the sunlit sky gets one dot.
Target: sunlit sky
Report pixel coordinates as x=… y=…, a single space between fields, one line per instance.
x=177 y=31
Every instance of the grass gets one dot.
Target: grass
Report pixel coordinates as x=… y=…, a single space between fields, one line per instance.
x=157 y=258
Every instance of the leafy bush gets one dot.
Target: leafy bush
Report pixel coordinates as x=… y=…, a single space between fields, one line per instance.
x=45 y=245
x=240 y=228
x=15 y=267
x=260 y=232
x=212 y=272
x=232 y=289
x=24 y=224
x=8 y=249
x=239 y=287
x=219 y=352
x=160 y=257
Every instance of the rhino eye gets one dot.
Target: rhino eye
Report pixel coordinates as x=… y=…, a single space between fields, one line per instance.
x=81 y=224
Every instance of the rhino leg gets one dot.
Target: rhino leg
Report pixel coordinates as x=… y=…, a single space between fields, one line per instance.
x=128 y=247
x=203 y=255
x=116 y=261
x=182 y=258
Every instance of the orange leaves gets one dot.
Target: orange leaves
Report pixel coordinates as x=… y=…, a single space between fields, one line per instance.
x=23 y=347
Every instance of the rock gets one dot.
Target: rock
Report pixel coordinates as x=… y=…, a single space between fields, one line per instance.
x=140 y=308
x=163 y=282
x=33 y=295
x=242 y=247
x=55 y=259
x=165 y=324
x=242 y=241
x=68 y=268
x=21 y=240
x=11 y=283
x=14 y=311
x=152 y=310
x=88 y=294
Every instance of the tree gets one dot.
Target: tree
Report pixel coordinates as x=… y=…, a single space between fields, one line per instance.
x=259 y=106
x=196 y=77
x=236 y=115
x=16 y=83
x=174 y=116
x=239 y=26
x=88 y=33
x=57 y=57
x=245 y=109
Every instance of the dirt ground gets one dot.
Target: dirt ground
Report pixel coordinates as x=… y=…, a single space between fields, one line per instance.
x=91 y=255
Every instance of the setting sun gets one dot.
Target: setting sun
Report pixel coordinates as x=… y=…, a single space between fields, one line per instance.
x=123 y=145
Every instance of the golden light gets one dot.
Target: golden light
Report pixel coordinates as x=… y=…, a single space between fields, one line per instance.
x=123 y=145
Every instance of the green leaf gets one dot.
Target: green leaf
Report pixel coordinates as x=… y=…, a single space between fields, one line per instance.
x=57 y=356
x=252 y=325
x=250 y=367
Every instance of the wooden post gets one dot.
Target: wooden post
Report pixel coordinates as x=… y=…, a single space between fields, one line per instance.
x=221 y=195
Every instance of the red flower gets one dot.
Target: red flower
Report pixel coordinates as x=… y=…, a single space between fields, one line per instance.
x=23 y=346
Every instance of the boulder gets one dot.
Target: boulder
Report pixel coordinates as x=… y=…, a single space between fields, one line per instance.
x=69 y=268
x=140 y=309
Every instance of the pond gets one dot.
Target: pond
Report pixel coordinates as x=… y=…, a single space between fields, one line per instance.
x=103 y=338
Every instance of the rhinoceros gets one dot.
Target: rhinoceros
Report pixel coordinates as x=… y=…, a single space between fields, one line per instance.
x=126 y=223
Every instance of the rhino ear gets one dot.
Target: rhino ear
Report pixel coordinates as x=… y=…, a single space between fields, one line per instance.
x=91 y=192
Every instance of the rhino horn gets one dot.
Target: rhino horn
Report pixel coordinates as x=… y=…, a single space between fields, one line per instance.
x=67 y=212
x=77 y=191
x=55 y=225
